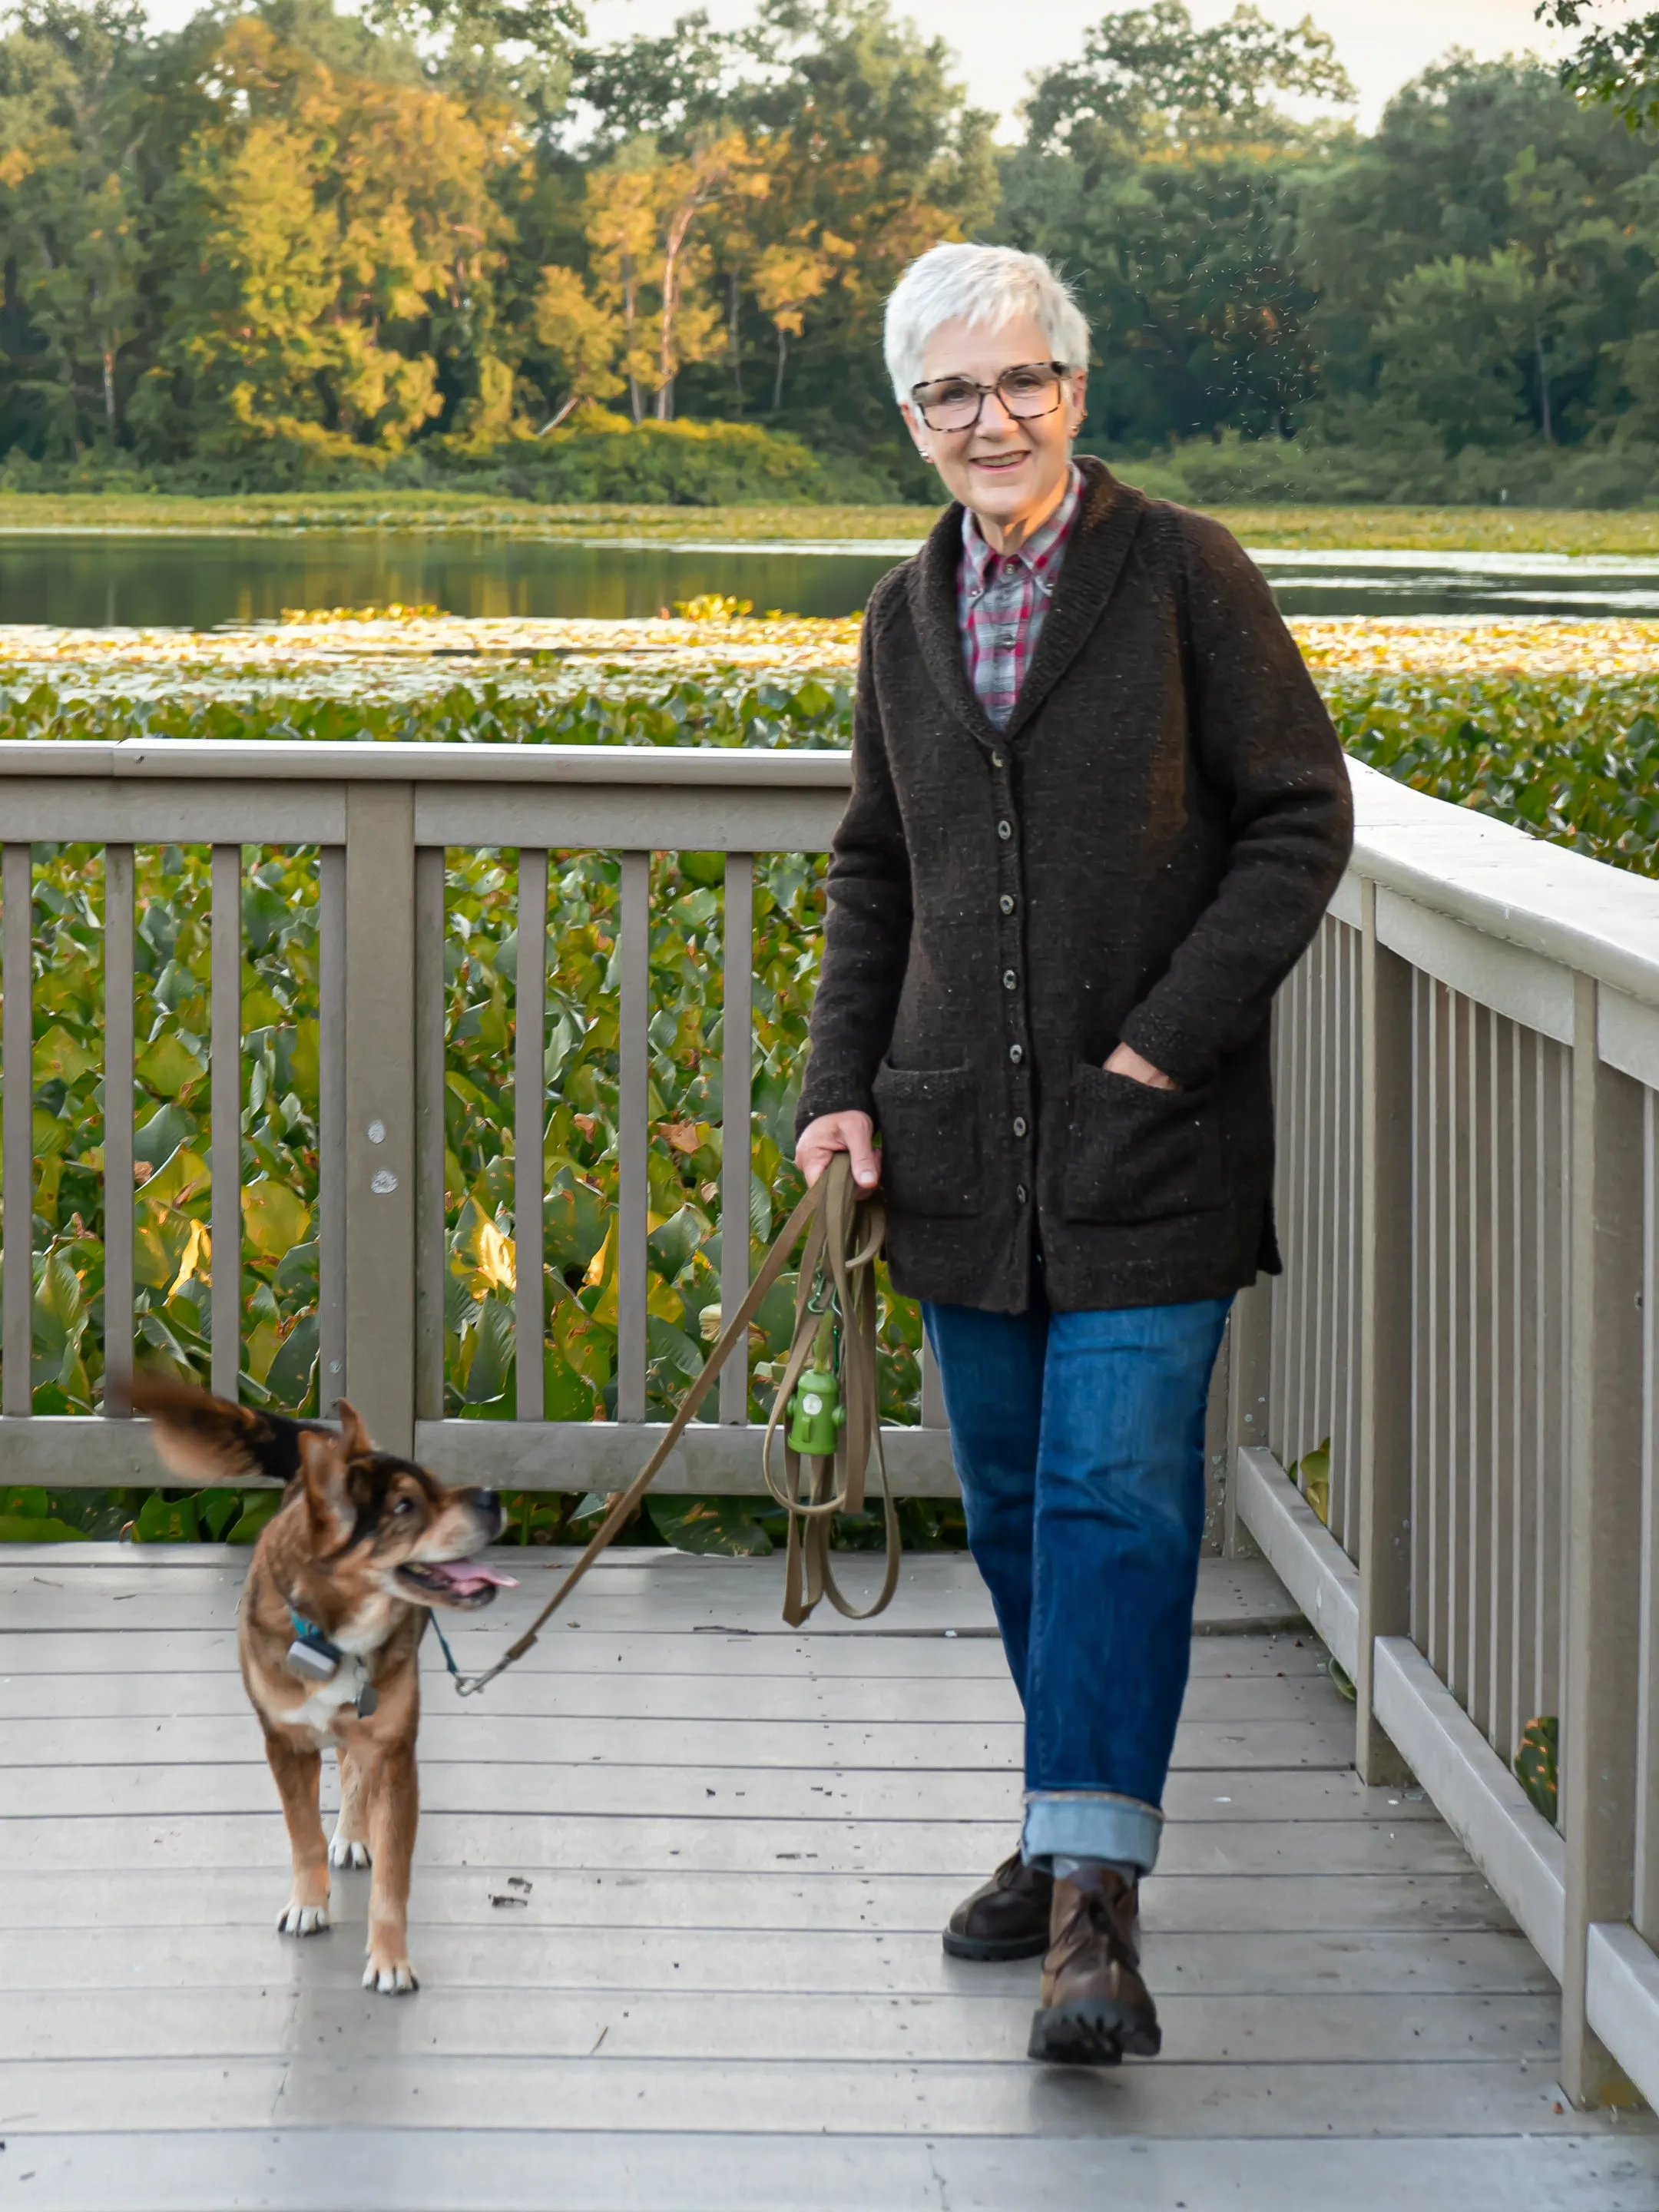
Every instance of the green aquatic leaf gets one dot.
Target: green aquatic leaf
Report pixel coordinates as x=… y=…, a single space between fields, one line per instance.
x=168 y=1067
x=725 y=1526
x=21 y=1529
x=60 y=1057
x=259 y=1506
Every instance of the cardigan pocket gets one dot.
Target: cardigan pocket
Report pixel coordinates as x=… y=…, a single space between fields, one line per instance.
x=1136 y=1153
x=930 y=1154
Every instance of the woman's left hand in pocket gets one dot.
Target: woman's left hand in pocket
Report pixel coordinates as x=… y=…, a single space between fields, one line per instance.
x=1126 y=1060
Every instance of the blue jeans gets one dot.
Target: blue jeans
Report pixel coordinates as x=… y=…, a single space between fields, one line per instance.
x=1080 y=1441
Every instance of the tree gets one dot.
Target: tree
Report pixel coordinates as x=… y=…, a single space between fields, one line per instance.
x=1149 y=78
x=1615 y=65
x=788 y=277
x=1460 y=340
x=580 y=338
x=331 y=236
x=73 y=209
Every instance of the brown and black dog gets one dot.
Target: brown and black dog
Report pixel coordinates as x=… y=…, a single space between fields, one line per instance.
x=329 y=1630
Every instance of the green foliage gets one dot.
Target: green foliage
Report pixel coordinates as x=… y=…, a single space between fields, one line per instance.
x=35 y=1515
x=621 y=706
x=1536 y=1764
x=1574 y=761
x=601 y=457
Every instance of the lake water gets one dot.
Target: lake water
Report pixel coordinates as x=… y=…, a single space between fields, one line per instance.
x=93 y=580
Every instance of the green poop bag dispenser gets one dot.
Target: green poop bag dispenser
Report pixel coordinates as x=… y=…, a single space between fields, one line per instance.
x=817 y=1415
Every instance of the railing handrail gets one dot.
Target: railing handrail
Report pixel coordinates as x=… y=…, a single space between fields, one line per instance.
x=1562 y=906
x=234 y=760
x=1577 y=912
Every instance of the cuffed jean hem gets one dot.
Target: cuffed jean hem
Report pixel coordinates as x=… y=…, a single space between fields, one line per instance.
x=1089 y=1824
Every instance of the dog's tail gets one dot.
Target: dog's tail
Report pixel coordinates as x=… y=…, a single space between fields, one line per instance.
x=202 y=1438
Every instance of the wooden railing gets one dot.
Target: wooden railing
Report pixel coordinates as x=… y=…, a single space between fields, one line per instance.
x=383 y=816
x=1460 y=1365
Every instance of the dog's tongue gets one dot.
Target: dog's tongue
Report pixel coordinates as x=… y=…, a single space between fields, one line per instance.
x=465 y=1576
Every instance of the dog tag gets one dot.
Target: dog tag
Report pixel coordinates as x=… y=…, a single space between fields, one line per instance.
x=310 y=1664
x=368 y=1699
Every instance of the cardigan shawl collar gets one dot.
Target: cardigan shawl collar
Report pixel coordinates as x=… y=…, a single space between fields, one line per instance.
x=1107 y=518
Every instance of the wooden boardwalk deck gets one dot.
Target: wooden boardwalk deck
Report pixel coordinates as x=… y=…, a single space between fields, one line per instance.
x=724 y=1990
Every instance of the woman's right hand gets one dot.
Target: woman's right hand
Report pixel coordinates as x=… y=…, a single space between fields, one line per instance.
x=852 y=1133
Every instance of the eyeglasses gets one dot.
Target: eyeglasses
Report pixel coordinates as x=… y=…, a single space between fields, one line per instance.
x=955 y=403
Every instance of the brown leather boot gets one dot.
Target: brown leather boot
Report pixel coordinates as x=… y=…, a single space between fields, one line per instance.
x=1095 y=2006
x=1007 y=1917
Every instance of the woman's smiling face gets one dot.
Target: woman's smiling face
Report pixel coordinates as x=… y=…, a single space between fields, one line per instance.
x=1012 y=473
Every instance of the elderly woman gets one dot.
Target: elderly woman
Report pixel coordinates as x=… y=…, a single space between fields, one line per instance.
x=1098 y=810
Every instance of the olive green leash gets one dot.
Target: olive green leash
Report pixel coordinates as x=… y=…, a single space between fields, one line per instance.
x=834 y=1417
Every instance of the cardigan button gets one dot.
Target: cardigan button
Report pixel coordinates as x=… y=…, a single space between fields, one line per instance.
x=1017 y=1053
x=1019 y=1194
x=1006 y=903
x=996 y=760
x=1019 y=1125
x=1010 y=981
x=1004 y=830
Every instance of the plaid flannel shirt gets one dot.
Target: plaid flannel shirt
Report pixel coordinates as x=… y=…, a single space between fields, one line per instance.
x=1001 y=601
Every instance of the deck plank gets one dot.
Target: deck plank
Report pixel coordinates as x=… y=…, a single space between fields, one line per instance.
x=829 y=2096
x=797 y=1897
x=1449 y=2028
x=526 y=1843
x=368 y=2170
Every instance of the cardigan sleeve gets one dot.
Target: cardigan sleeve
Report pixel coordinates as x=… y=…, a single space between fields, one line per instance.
x=1264 y=742
x=866 y=928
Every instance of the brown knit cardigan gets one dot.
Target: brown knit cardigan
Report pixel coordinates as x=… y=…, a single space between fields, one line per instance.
x=1142 y=855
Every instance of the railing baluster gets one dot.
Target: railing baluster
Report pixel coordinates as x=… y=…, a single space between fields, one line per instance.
x=1646 y=1912
x=117 y=1123
x=1501 y=1315
x=431 y=1269
x=1604 y=1504
x=17 y=1129
x=1316 y=1421
x=634 y=937
x=1479 y=1479
x=736 y=1080
x=528 y=1122
x=226 y=1047
x=330 y=1129
x=1382 y=1547
x=1277 y=1292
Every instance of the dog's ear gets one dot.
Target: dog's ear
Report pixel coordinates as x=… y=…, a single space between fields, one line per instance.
x=326 y=1475
x=199 y=1438
x=354 y=1437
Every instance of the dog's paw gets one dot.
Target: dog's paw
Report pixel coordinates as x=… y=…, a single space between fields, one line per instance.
x=344 y=1852
x=299 y=1919
x=391 y=1977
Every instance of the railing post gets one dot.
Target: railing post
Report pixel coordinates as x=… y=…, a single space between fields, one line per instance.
x=1382 y=1535
x=1250 y=1356
x=1603 y=1519
x=379 y=953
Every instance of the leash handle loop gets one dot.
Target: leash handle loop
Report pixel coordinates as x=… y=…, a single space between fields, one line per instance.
x=834 y=1215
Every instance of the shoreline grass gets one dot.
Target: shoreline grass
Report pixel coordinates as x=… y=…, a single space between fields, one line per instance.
x=1308 y=529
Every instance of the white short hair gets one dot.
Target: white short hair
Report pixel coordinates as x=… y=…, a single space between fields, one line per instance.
x=985 y=286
